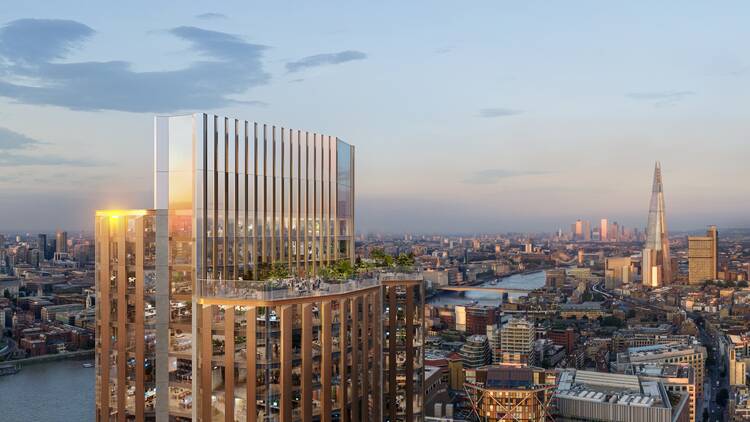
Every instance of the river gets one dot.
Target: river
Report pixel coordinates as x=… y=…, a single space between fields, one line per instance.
x=48 y=392
x=64 y=390
x=526 y=281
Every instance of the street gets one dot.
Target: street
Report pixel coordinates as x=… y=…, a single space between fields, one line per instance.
x=712 y=372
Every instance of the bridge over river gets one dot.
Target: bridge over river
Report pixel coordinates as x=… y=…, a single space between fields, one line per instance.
x=483 y=288
x=489 y=293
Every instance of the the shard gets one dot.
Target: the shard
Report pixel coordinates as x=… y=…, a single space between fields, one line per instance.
x=656 y=265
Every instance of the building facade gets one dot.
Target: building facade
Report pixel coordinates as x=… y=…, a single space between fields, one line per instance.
x=128 y=372
x=517 y=341
x=703 y=257
x=249 y=220
x=245 y=200
x=476 y=352
x=689 y=354
x=510 y=393
x=656 y=266
x=598 y=396
x=677 y=378
x=403 y=348
x=61 y=242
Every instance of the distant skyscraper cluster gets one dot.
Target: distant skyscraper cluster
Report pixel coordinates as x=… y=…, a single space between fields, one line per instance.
x=605 y=231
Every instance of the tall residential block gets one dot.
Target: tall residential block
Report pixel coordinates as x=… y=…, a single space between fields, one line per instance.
x=517 y=341
x=130 y=380
x=403 y=352
x=703 y=256
x=244 y=200
x=61 y=241
x=656 y=266
x=247 y=325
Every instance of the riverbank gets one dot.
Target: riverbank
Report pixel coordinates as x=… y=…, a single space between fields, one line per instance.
x=79 y=354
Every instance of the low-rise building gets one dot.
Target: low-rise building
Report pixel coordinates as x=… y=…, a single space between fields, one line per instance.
x=675 y=377
x=588 y=396
x=590 y=310
x=693 y=355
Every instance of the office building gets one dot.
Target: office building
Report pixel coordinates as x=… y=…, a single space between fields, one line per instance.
x=693 y=355
x=615 y=232
x=255 y=197
x=61 y=242
x=566 y=338
x=246 y=216
x=603 y=230
x=617 y=271
x=555 y=278
x=476 y=352
x=493 y=338
x=738 y=357
x=599 y=396
x=678 y=378
x=656 y=266
x=478 y=317
x=42 y=245
x=703 y=257
x=517 y=341
x=510 y=393
x=586 y=231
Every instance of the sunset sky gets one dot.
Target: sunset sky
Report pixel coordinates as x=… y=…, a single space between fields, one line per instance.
x=467 y=116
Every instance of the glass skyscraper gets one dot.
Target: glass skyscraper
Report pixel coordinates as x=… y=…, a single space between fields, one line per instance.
x=657 y=263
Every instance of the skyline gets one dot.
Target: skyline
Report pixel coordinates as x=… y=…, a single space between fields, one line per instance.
x=552 y=124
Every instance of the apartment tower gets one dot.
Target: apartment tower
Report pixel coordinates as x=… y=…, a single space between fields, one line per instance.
x=246 y=215
x=517 y=341
x=128 y=375
x=403 y=354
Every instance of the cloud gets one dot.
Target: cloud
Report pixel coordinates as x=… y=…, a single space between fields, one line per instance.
x=40 y=40
x=228 y=67
x=491 y=176
x=661 y=98
x=443 y=50
x=211 y=16
x=498 y=112
x=10 y=140
x=325 y=59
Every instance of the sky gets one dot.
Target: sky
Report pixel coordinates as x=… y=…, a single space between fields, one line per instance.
x=467 y=117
